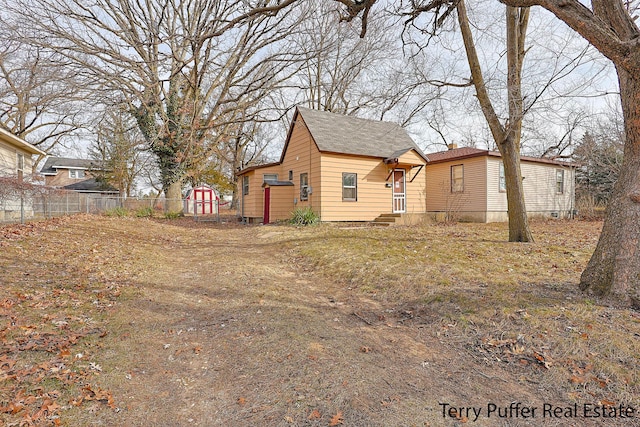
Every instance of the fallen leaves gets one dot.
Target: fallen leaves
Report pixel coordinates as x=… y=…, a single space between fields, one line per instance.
x=13 y=232
x=337 y=419
x=96 y=394
x=50 y=303
x=314 y=415
x=514 y=349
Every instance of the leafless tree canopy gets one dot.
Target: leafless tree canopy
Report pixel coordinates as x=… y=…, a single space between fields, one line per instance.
x=183 y=69
x=40 y=98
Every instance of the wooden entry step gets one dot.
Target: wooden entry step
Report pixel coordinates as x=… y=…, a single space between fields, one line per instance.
x=386 y=219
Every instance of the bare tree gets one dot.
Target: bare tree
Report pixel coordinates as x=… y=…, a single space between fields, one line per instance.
x=182 y=68
x=599 y=154
x=368 y=77
x=120 y=150
x=40 y=99
x=247 y=146
x=507 y=136
x=609 y=25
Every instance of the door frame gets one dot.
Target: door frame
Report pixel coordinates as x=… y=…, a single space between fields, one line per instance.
x=399 y=199
x=267 y=205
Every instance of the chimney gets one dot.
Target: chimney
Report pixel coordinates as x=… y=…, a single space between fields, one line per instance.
x=452 y=146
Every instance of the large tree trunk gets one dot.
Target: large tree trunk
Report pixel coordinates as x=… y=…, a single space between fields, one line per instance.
x=506 y=137
x=235 y=196
x=173 y=194
x=518 y=221
x=614 y=267
x=517 y=21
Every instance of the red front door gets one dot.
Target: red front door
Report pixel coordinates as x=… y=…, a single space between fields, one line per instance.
x=267 y=205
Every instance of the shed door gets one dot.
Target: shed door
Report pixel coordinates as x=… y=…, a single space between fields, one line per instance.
x=267 y=205
x=203 y=202
x=399 y=191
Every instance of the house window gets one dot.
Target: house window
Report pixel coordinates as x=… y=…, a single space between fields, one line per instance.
x=559 y=181
x=269 y=177
x=20 y=162
x=457 y=179
x=76 y=173
x=290 y=175
x=502 y=182
x=304 y=186
x=20 y=165
x=245 y=185
x=349 y=187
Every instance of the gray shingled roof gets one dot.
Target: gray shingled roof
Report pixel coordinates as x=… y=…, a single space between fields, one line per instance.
x=91 y=185
x=337 y=133
x=53 y=163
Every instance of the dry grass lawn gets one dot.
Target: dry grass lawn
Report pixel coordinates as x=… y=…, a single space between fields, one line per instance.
x=138 y=322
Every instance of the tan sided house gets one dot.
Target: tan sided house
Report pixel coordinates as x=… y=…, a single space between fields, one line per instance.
x=15 y=162
x=352 y=169
x=344 y=168
x=468 y=184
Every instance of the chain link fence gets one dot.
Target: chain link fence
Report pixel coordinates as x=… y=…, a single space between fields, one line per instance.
x=22 y=206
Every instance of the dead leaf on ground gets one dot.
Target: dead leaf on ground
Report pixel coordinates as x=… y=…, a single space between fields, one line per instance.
x=577 y=380
x=314 y=415
x=336 y=419
x=98 y=395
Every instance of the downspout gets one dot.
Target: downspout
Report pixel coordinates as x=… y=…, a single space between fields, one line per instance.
x=573 y=192
x=242 y=200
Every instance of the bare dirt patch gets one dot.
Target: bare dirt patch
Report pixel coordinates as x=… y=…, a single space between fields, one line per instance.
x=184 y=323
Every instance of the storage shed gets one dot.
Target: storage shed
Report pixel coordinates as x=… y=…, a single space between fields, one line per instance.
x=201 y=200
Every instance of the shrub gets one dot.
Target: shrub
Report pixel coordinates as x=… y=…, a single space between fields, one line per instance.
x=304 y=216
x=172 y=215
x=119 y=211
x=145 y=212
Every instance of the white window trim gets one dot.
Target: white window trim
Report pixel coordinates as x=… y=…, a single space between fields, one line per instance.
x=560 y=174
x=79 y=173
x=245 y=185
x=265 y=175
x=354 y=186
x=20 y=162
x=304 y=189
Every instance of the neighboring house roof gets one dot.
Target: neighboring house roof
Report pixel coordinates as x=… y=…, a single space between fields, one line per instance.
x=469 y=152
x=252 y=168
x=19 y=142
x=52 y=164
x=91 y=185
x=337 y=133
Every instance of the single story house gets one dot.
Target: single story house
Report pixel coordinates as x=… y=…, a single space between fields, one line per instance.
x=344 y=168
x=15 y=162
x=352 y=169
x=78 y=175
x=468 y=184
